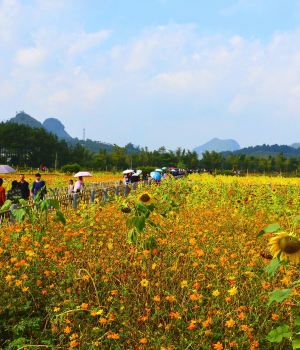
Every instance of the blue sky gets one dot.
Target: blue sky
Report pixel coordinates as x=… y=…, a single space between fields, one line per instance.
x=155 y=72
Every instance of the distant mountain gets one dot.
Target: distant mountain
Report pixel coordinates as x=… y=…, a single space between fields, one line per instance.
x=56 y=126
x=295 y=145
x=267 y=150
x=24 y=118
x=218 y=145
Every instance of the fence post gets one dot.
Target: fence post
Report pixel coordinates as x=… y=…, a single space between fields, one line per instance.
x=54 y=190
x=12 y=218
x=126 y=190
x=117 y=190
x=269 y=185
x=75 y=196
x=92 y=196
x=133 y=186
x=105 y=194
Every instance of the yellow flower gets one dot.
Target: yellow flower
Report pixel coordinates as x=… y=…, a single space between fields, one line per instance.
x=153 y=266
x=184 y=284
x=144 y=283
x=145 y=197
x=216 y=293
x=232 y=291
x=287 y=245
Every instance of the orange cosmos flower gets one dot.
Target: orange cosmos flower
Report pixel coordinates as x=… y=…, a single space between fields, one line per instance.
x=230 y=323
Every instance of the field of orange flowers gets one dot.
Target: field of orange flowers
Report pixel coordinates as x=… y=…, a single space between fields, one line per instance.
x=176 y=267
x=59 y=180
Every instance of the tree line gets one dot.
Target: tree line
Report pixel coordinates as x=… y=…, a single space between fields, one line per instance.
x=27 y=146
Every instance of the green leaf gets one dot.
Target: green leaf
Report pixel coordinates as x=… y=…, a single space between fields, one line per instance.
x=273 y=266
x=297 y=218
x=296 y=342
x=54 y=203
x=276 y=335
x=61 y=217
x=139 y=222
x=151 y=243
x=23 y=202
x=147 y=214
x=279 y=295
x=128 y=222
x=43 y=206
x=6 y=205
x=131 y=236
x=268 y=229
x=19 y=214
x=297 y=321
x=151 y=207
x=140 y=206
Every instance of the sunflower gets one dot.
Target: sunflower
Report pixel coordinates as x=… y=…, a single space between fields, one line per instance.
x=274 y=190
x=145 y=197
x=238 y=201
x=218 y=190
x=287 y=245
x=195 y=188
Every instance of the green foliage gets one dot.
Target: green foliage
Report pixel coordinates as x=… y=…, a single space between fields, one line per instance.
x=273 y=266
x=279 y=295
x=146 y=169
x=268 y=229
x=276 y=335
x=225 y=172
x=71 y=168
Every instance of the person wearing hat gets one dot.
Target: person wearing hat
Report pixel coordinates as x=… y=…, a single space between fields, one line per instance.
x=38 y=185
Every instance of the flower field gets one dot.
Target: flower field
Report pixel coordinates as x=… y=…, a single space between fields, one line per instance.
x=177 y=267
x=60 y=180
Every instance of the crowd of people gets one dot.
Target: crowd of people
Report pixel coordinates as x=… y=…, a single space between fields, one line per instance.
x=21 y=189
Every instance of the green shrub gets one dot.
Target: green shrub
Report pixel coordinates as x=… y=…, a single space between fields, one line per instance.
x=225 y=172
x=71 y=168
x=146 y=169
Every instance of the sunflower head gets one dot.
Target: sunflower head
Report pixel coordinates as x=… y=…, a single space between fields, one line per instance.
x=274 y=190
x=287 y=246
x=238 y=201
x=195 y=188
x=145 y=197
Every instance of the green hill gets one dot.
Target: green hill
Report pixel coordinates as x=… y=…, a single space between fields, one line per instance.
x=56 y=126
x=24 y=118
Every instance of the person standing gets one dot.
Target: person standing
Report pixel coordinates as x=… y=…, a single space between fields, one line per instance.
x=24 y=187
x=38 y=185
x=2 y=193
x=14 y=194
x=79 y=185
x=71 y=187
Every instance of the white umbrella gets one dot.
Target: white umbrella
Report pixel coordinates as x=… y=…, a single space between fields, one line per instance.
x=139 y=172
x=128 y=171
x=5 y=169
x=83 y=174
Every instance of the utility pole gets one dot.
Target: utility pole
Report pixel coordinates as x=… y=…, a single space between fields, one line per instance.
x=55 y=161
x=83 y=134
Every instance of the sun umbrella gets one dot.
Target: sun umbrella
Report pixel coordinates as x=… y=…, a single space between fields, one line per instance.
x=172 y=167
x=139 y=172
x=159 y=170
x=173 y=170
x=155 y=175
x=83 y=174
x=164 y=168
x=128 y=171
x=5 y=169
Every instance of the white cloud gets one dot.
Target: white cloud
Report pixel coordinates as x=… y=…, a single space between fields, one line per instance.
x=86 y=42
x=240 y=103
x=242 y=5
x=9 y=12
x=30 y=57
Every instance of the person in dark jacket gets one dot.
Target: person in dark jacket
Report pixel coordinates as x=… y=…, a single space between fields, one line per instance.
x=24 y=187
x=15 y=193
